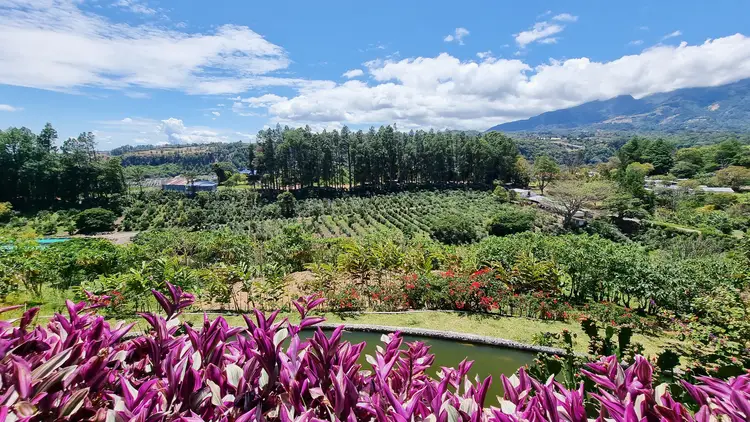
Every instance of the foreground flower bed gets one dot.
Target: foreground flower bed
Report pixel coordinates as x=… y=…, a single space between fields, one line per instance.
x=79 y=367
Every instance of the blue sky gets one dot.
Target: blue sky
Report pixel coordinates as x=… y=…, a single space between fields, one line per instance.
x=148 y=71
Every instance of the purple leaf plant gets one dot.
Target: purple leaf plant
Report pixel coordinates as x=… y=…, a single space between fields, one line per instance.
x=80 y=367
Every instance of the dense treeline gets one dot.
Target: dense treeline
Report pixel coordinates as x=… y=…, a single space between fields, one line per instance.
x=36 y=174
x=289 y=158
x=197 y=158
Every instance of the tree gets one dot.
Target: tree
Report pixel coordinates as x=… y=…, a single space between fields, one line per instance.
x=572 y=196
x=633 y=151
x=660 y=154
x=287 y=204
x=727 y=152
x=137 y=175
x=685 y=169
x=634 y=178
x=734 y=177
x=624 y=205
x=523 y=172
x=190 y=177
x=223 y=171
x=95 y=220
x=546 y=170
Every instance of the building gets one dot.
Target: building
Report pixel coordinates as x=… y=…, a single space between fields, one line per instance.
x=247 y=172
x=716 y=190
x=180 y=184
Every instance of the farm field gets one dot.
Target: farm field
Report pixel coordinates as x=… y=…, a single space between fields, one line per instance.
x=239 y=209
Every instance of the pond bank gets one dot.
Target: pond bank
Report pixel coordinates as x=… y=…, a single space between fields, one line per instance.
x=444 y=335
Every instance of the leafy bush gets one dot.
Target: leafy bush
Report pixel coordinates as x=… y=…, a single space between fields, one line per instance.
x=511 y=220
x=95 y=220
x=266 y=372
x=6 y=212
x=501 y=195
x=454 y=229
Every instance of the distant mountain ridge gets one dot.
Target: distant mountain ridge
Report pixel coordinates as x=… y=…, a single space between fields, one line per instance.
x=720 y=108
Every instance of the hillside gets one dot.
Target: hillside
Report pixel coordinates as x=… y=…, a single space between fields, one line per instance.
x=722 y=108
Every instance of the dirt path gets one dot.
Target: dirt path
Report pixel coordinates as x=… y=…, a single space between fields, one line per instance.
x=118 y=238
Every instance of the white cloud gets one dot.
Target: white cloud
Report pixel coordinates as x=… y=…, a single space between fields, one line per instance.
x=53 y=44
x=458 y=36
x=6 y=107
x=445 y=92
x=135 y=7
x=671 y=35
x=565 y=17
x=636 y=42
x=177 y=133
x=265 y=100
x=551 y=40
x=216 y=113
x=539 y=31
x=242 y=106
x=353 y=73
x=643 y=28
x=158 y=132
x=484 y=55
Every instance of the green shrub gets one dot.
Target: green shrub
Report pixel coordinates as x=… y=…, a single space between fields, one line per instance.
x=95 y=220
x=6 y=212
x=501 y=194
x=510 y=220
x=454 y=229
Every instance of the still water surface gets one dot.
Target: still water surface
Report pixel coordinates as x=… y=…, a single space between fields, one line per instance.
x=488 y=360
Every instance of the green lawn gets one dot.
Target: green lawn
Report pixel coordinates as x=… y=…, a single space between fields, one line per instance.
x=516 y=329
x=511 y=328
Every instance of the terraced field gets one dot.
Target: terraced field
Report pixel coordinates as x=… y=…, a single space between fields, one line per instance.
x=409 y=213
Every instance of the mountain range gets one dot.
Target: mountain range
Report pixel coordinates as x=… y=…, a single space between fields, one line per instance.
x=719 y=108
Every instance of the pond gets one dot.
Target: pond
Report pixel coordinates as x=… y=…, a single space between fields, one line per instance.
x=488 y=360
x=42 y=243
x=52 y=240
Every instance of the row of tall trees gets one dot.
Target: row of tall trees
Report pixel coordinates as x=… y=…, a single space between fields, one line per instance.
x=299 y=158
x=36 y=174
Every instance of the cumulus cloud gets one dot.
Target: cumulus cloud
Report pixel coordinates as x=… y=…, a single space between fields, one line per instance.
x=565 y=17
x=177 y=133
x=53 y=44
x=484 y=55
x=539 y=32
x=445 y=92
x=6 y=107
x=457 y=36
x=158 y=132
x=349 y=74
x=216 y=113
x=672 y=35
